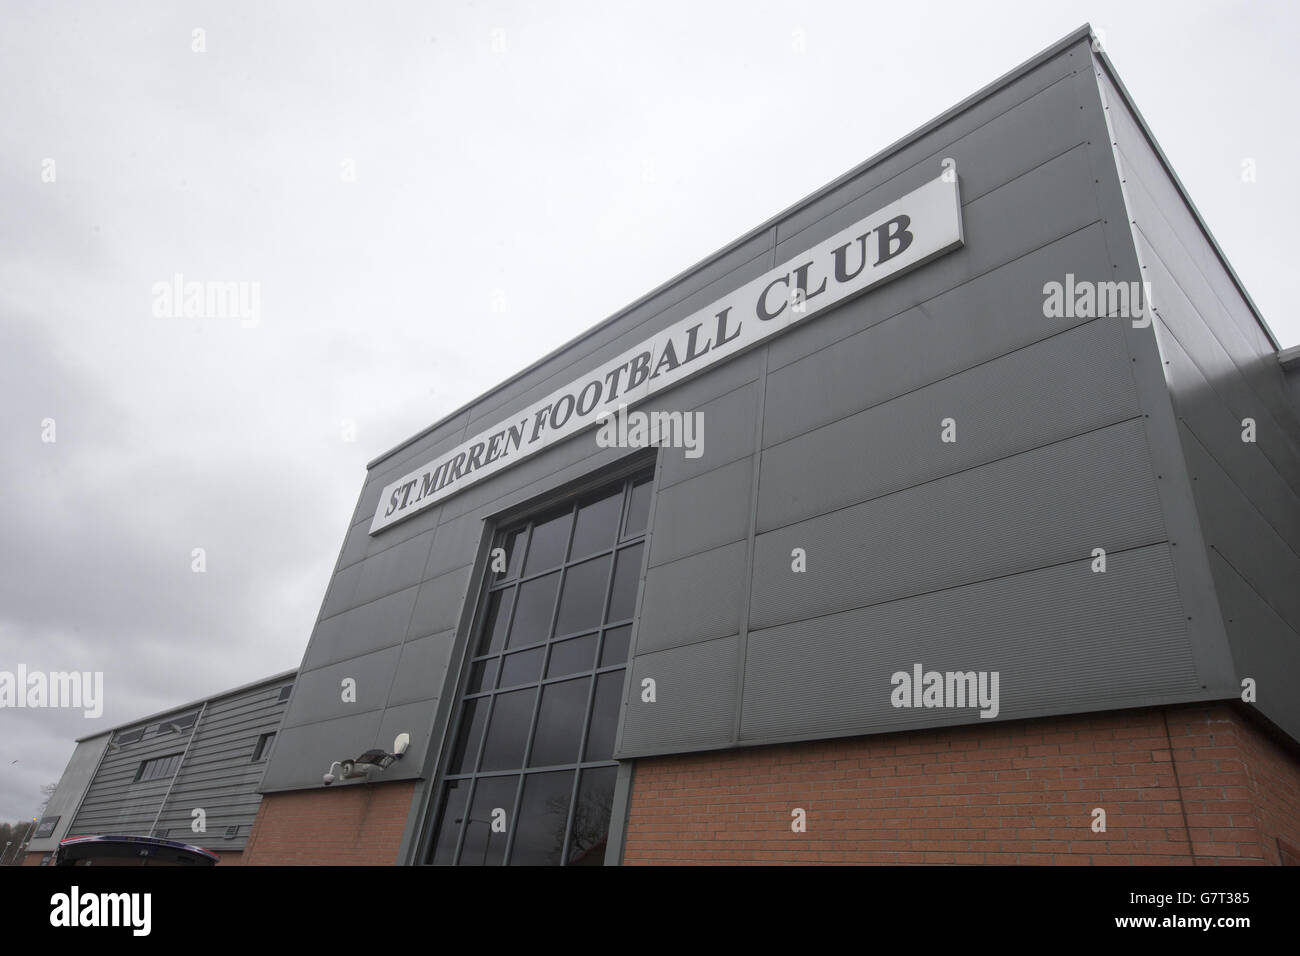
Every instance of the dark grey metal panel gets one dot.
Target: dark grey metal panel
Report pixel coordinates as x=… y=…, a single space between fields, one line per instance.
x=360 y=543
x=1063 y=640
x=1235 y=529
x=1217 y=368
x=319 y=694
x=454 y=544
x=1220 y=367
x=1218 y=432
x=1041 y=507
x=303 y=754
x=422 y=669
x=367 y=628
x=1065 y=385
x=727 y=433
x=413 y=719
x=1257 y=371
x=703 y=513
x=440 y=603
x=695 y=697
x=989 y=316
x=393 y=570
x=693 y=599
x=1264 y=647
x=1165 y=208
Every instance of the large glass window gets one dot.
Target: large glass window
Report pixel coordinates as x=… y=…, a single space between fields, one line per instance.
x=529 y=778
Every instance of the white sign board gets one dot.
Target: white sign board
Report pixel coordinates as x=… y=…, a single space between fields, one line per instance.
x=922 y=225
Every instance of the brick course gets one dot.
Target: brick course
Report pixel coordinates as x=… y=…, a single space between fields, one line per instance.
x=1203 y=784
x=356 y=825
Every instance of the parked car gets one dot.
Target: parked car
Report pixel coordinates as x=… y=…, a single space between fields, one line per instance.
x=120 y=850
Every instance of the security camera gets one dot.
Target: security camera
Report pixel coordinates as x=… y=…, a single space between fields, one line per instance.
x=400 y=743
x=328 y=778
x=346 y=767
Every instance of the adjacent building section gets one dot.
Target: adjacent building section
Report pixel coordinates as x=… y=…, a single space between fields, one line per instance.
x=188 y=774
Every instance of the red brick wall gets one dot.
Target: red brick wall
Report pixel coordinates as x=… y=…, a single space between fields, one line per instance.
x=1020 y=792
x=357 y=825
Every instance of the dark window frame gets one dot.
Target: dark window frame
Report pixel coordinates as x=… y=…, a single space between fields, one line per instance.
x=160 y=760
x=477 y=653
x=262 y=750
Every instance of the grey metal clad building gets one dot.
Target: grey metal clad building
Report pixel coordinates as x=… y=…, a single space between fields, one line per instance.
x=948 y=446
x=197 y=765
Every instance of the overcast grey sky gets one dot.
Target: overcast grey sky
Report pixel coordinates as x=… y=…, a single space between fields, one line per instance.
x=567 y=156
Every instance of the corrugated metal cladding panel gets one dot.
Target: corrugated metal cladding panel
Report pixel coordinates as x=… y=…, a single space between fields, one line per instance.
x=1074 y=382
x=1170 y=227
x=1214 y=428
x=702 y=513
x=1235 y=528
x=692 y=599
x=893 y=354
x=695 y=698
x=1221 y=368
x=1062 y=639
x=218 y=775
x=1041 y=507
x=1186 y=325
x=1264 y=647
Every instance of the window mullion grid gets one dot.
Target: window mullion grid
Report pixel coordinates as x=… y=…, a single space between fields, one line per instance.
x=537 y=702
x=591 y=683
x=471 y=781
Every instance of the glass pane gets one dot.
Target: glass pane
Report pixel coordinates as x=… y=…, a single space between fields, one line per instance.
x=508 y=730
x=546 y=549
x=465 y=751
x=614 y=650
x=536 y=606
x=522 y=668
x=638 y=509
x=596 y=526
x=591 y=817
x=482 y=675
x=604 y=716
x=448 y=830
x=572 y=656
x=543 y=815
x=485 y=840
x=584 y=596
x=559 y=723
x=622 y=601
x=496 y=620
x=511 y=543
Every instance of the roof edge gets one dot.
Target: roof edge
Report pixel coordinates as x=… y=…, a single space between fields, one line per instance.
x=1083 y=32
x=220 y=695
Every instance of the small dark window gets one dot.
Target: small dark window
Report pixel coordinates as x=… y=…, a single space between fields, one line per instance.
x=157 y=768
x=232 y=832
x=131 y=736
x=177 y=725
x=285 y=691
x=264 y=745
x=161 y=834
